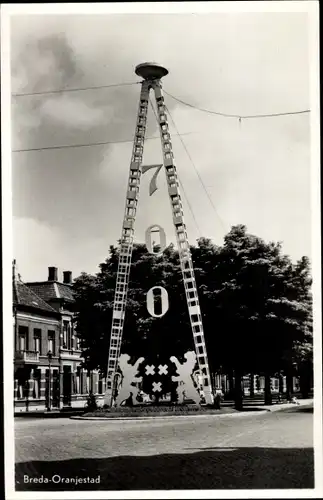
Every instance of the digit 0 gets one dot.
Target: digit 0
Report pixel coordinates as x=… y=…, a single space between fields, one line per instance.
x=155 y=228
x=160 y=299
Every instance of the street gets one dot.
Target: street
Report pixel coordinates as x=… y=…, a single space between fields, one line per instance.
x=252 y=450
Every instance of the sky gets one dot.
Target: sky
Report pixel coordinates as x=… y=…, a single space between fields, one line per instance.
x=68 y=203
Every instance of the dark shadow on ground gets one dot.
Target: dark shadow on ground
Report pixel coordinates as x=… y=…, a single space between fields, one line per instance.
x=215 y=468
x=302 y=409
x=253 y=409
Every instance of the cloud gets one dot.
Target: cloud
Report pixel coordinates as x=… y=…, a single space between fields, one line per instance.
x=34 y=246
x=38 y=246
x=73 y=112
x=43 y=63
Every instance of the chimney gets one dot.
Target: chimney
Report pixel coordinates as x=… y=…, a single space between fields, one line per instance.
x=67 y=277
x=52 y=274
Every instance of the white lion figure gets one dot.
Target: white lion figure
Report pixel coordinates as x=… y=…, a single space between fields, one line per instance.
x=184 y=378
x=128 y=376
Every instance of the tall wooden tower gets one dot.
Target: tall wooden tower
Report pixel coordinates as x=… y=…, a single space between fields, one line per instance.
x=152 y=74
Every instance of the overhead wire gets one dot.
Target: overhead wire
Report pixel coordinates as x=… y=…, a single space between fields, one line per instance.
x=228 y=115
x=90 y=144
x=181 y=184
x=195 y=168
x=60 y=91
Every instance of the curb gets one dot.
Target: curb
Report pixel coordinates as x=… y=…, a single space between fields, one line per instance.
x=57 y=414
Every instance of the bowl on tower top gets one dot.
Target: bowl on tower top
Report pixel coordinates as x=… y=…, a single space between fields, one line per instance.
x=150 y=71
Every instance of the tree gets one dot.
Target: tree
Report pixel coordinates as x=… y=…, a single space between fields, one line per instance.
x=261 y=310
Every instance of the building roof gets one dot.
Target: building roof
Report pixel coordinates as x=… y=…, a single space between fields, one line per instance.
x=51 y=290
x=24 y=296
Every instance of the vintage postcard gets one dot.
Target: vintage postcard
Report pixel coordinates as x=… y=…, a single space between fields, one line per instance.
x=161 y=259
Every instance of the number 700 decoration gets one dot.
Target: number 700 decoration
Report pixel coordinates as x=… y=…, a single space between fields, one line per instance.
x=152 y=74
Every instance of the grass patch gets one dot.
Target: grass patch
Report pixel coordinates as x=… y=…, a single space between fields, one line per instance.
x=156 y=411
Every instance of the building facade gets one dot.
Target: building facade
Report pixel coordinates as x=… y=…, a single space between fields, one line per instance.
x=48 y=372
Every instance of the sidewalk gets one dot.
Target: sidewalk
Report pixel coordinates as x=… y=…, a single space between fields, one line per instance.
x=284 y=406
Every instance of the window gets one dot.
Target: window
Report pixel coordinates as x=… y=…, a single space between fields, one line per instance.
x=37 y=340
x=100 y=385
x=67 y=335
x=36 y=384
x=78 y=380
x=65 y=326
x=51 y=341
x=23 y=338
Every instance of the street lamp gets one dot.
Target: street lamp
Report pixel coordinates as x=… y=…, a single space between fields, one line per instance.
x=49 y=357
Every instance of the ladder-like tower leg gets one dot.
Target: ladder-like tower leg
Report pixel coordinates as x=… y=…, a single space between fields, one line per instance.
x=126 y=244
x=183 y=245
